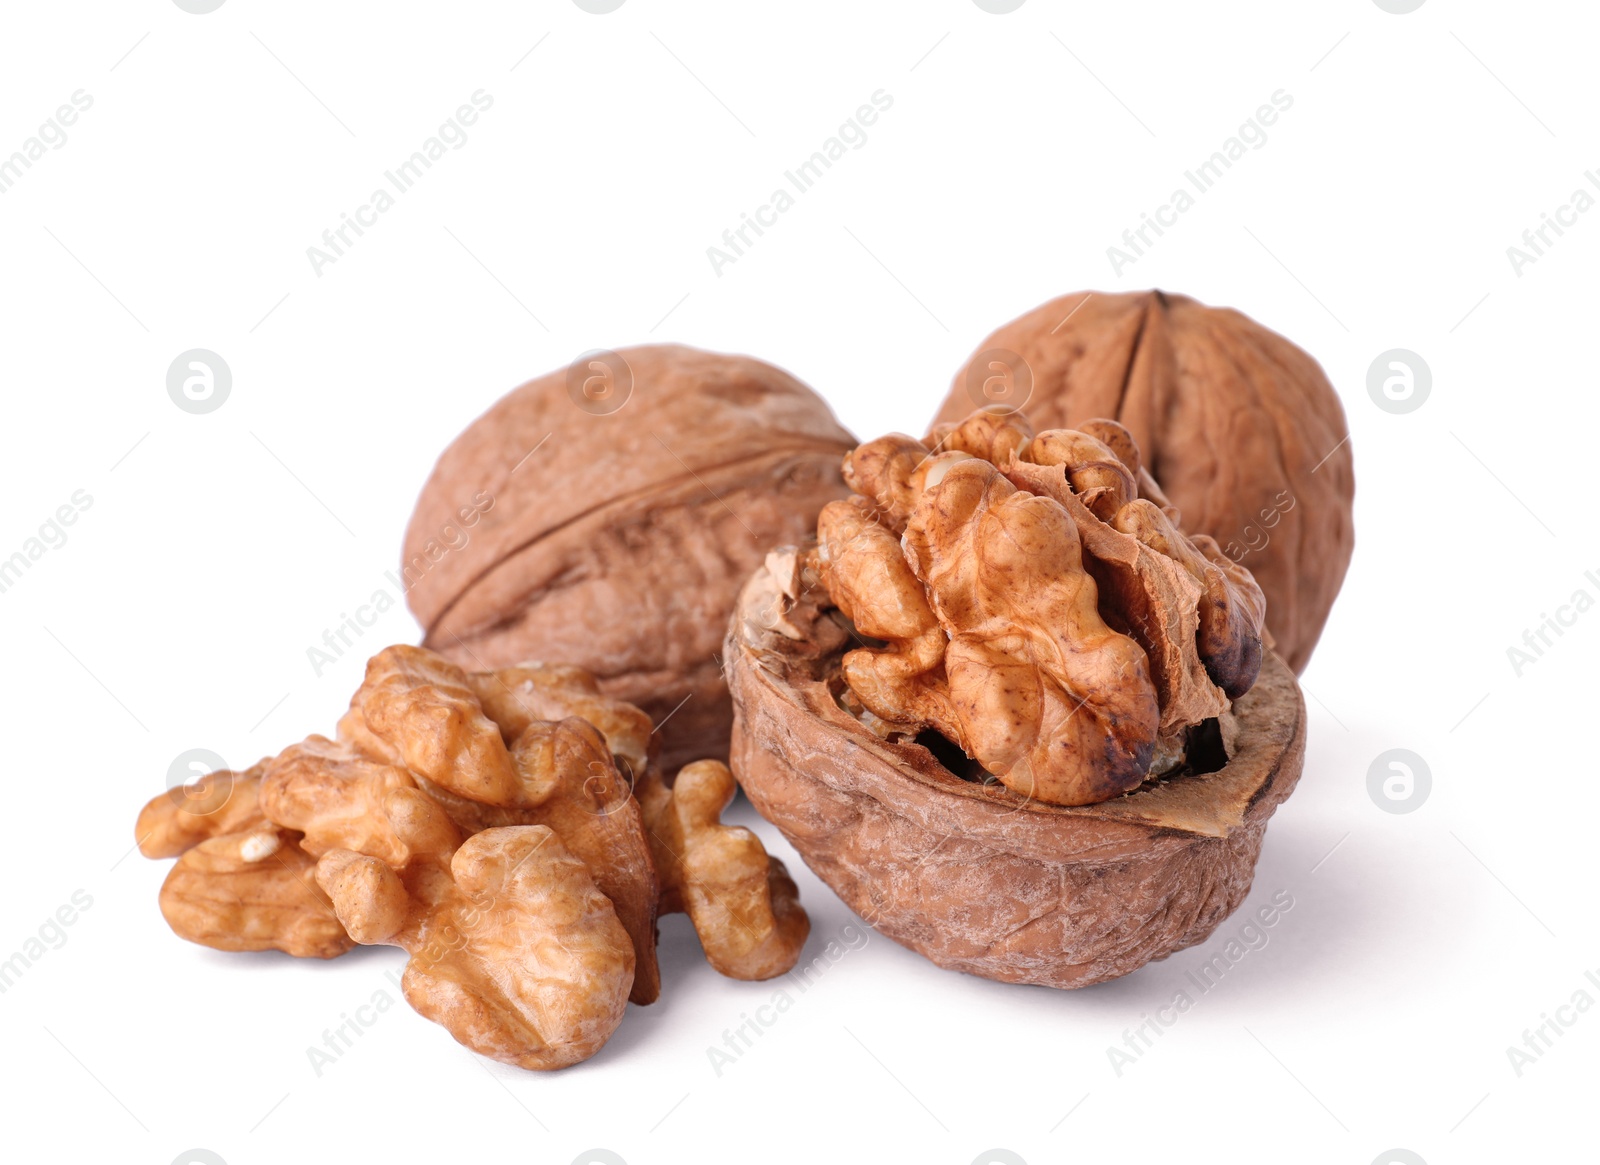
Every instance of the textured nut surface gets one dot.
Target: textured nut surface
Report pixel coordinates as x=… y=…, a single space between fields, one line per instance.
x=334 y=797
x=1048 y=698
x=869 y=579
x=218 y=803
x=417 y=706
x=252 y=891
x=421 y=711
x=1239 y=426
x=513 y=949
x=496 y=837
x=517 y=696
x=621 y=544
x=743 y=904
x=1231 y=608
x=1031 y=606
x=972 y=875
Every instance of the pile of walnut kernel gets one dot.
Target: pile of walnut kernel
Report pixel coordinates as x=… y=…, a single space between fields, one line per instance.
x=511 y=830
x=1036 y=602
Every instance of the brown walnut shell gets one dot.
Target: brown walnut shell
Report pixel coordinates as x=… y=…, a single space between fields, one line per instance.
x=1239 y=426
x=971 y=875
x=614 y=533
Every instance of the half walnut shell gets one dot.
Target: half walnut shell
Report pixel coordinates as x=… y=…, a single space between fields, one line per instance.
x=968 y=873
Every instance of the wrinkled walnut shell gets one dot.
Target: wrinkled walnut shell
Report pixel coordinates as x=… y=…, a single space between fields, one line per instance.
x=617 y=540
x=1240 y=427
x=971 y=875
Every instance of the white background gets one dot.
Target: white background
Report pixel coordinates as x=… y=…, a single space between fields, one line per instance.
x=619 y=147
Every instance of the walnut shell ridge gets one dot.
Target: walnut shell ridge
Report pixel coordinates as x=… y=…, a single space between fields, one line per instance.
x=1239 y=426
x=613 y=532
x=973 y=876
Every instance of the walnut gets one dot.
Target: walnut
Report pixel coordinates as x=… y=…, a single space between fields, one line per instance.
x=1034 y=610
x=872 y=584
x=1048 y=697
x=251 y=891
x=1146 y=592
x=974 y=876
x=1231 y=607
x=1002 y=734
x=418 y=707
x=743 y=904
x=334 y=796
x=528 y=938
x=218 y=803
x=1239 y=426
x=612 y=532
x=513 y=949
x=517 y=696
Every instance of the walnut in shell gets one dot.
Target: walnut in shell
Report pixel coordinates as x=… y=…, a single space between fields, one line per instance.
x=612 y=528
x=1005 y=737
x=1239 y=426
x=971 y=875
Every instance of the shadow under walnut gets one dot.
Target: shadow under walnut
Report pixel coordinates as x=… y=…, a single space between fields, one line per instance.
x=971 y=875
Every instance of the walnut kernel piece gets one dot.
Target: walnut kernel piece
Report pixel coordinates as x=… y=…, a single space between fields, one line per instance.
x=1231 y=607
x=513 y=949
x=334 y=796
x=1096 y=474
x=559 y=773
x=251 y=891
x=995 y=437
x=1046 y=696
x=867 y=575
x=1145 y=595
x=743 y=904
x=515 y=697
x=218 y=803
x=421 y=708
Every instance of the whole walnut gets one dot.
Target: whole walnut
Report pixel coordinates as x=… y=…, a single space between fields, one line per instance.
x=1240 y=428
x=605 y=515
